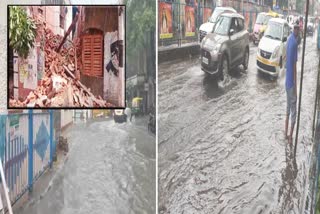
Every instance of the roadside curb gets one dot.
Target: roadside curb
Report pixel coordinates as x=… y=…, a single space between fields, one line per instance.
x=178 y=53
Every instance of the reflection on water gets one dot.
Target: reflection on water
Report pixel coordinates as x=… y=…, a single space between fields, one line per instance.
x=288 y=192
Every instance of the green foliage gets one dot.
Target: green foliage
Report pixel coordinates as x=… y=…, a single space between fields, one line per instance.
x=300 y=6
x=22 y=31
x=283 y=4
x=141 y=19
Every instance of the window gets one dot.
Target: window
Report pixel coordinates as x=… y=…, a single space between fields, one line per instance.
x=234 y=25
x=62 y=22
x=288 y=30
x=285 y=31
x=92 y=55
x=241 y=24
x=222 y=26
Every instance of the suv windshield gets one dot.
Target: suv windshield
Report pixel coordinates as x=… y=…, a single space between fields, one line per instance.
x=222 y=26
x=260 y=19
x=216 y=14
x=274 y=31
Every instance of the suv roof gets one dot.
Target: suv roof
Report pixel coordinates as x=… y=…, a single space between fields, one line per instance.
x=278 y=20
x=226 y=8
x=228 y=14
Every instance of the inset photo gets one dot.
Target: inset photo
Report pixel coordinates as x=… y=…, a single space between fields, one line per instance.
x=66 y=56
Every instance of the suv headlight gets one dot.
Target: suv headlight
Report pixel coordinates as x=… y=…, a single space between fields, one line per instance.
x=275 y=53
x=211 y=47
x=202 y=43
x=216 y=48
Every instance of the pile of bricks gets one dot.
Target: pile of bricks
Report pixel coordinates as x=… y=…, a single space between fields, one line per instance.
x=60 y=85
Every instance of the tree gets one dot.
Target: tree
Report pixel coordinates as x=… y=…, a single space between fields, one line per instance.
x=300 y=6
x=22 y=31
x=283 y=4
x=141 y=19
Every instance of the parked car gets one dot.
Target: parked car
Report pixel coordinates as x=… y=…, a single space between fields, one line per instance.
x=310 y=26
x=271 y=52
x=263 y=27
x=119 y=116
x=257 y=26
x=227 y=47
x=207 y=27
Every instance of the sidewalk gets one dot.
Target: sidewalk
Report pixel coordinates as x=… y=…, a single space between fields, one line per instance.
x=314 y=189
x=173 y=52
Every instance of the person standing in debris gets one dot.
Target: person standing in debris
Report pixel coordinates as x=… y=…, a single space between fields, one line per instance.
x=291 y=80
x=75 y=11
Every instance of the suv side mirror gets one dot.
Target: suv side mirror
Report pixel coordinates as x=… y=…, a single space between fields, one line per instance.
x=231 y=32
x=284 y=39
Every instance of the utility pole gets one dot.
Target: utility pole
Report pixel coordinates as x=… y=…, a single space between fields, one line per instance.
x=301 y=79
x=242 y=7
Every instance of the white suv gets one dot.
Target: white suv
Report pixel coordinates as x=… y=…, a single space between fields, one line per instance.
x=207 y=27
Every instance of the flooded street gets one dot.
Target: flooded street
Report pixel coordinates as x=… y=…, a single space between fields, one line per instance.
x=110 y=168
x=222 y=149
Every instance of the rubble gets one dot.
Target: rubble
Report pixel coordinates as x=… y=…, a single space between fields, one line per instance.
x=60 y=85
x=63 y=144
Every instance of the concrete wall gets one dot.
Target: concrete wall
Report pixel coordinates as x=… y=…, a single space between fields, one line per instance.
x=3 y=48
x=106 y=20
x=101 y=18
x=52 y=15
x=122 y=75
x=66 y=118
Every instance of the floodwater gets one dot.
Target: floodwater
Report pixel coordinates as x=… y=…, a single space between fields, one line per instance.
x=222 y=148
x=110 y=168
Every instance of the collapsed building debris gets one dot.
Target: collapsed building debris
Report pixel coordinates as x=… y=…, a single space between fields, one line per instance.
x=60 y=85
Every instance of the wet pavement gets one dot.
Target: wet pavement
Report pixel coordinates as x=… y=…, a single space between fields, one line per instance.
x=222 y=148
x=110 y=168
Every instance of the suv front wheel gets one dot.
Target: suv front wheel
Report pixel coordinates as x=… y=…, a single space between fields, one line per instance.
x=224 y=69
x=246 y=59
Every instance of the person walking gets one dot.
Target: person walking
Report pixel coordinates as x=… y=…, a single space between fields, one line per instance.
x=128 y=112
x=291 y=80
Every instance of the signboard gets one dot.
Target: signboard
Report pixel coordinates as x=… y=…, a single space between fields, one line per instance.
x=28 y=70
x=30 y=81
x=23 y=70
x=189 y=21
x=14 y=120
x=15 y=80
x=165 y=20
x=206 y=14
x=15 y=64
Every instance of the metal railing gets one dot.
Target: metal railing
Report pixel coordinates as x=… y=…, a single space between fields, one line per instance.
x=173 y=16
x=26 y=148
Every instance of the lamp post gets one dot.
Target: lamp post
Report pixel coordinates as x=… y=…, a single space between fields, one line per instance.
x=242 y=7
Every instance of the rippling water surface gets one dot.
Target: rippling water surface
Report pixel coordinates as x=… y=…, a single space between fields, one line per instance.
x=222 y=147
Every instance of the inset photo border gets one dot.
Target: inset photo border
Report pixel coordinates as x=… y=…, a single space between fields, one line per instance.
x=66 y=56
